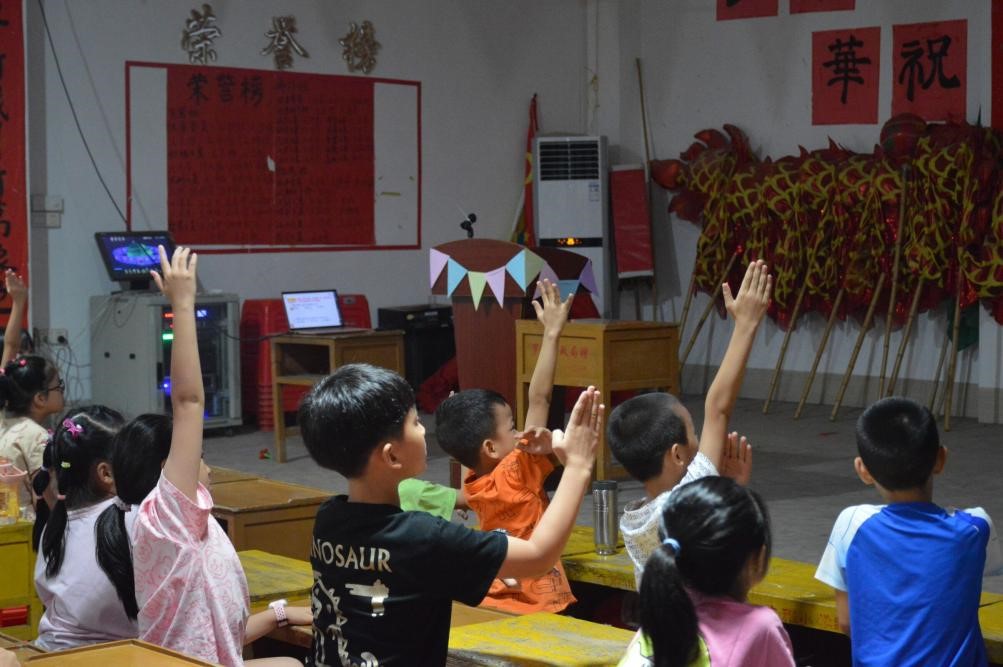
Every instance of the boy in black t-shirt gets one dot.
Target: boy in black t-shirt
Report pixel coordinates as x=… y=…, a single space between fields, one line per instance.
x=384 y=579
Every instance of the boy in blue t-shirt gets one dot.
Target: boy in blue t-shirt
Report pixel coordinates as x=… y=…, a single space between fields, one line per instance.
x=908 y=574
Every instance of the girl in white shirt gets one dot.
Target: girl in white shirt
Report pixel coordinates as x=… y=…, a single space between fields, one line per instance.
x=81 y=603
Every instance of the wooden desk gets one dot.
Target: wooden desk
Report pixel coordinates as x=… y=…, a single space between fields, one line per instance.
x=21 y=649
x=305 y=360
x=273 y=577
x=125 y=653
x=537 y=639
x=17 y=563
x=612 y=355
x=991 y=621
x=265 y=514
x=227 y=475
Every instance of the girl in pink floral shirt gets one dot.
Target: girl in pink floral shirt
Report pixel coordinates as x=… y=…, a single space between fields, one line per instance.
x=190 y=589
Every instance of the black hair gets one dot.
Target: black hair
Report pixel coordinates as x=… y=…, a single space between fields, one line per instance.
x=139 y=450
x=350 y=412
x=23 y=378
x=719 y=526
x=464 y=421
x=642 y=429
x=80 y=442
x=897 y=440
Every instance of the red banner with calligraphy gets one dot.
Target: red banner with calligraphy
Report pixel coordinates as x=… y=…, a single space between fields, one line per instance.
x=930 y=70
x=269 y=158
x=13 y=177
x=746 y=9
x=844 y=80
x=996 y=62
x=804 y=6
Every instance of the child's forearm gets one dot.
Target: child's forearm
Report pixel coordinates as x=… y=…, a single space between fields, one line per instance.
x=723 y=391
x=12 y=334
x=535 y=556
x=541 y=385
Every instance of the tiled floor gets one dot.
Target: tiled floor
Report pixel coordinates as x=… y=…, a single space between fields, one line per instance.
x=803 y=468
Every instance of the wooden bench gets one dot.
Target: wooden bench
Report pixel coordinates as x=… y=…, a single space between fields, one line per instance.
x=790 y=589
x=537 y=639
x=125 y=652
x=17 y=563
x=265 y=514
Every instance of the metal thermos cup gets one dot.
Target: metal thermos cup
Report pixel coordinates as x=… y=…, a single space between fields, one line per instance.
x=604 y=516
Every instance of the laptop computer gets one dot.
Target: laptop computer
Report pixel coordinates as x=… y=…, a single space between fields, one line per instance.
x=315 y=312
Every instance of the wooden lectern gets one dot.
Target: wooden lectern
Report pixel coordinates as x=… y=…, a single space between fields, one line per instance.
x=485 y=336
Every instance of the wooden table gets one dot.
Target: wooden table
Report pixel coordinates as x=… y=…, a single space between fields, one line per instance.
x=125 y=653
x=537 y=639
x=273 y=577
x=17 y=563
x=303 y=360
x=226 y=475
x=21 y=649
x=265 y=514
x=612 y=355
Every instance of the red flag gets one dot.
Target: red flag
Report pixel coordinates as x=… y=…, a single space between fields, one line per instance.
x=524 y=232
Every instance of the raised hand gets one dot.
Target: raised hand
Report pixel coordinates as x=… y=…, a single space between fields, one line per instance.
x=753 y=298
x=15 y=286
x=736 y=461
x=536 y=440
x=578 y=446
x=177 y=276
x=550 y=310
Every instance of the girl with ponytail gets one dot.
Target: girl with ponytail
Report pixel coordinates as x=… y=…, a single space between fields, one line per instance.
x=715 y=547
x=81 y=604
x=30 y=390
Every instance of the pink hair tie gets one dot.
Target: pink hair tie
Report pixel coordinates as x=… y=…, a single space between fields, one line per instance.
x=74 y=429
x=22 y=362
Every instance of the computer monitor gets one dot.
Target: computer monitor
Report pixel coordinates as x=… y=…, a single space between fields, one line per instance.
x=316 y=311
x=129 y=256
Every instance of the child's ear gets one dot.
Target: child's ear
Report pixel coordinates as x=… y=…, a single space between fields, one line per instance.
x=387 y=455
x=488 y=449
x=104 y=476
x=862 y=472
x=676 y=456
x=938 y=464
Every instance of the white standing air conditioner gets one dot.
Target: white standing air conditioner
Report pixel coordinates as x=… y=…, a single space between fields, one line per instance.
x=571 y=202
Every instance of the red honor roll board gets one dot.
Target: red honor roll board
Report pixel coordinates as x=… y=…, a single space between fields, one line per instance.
x=265 y=158
x=13 y=187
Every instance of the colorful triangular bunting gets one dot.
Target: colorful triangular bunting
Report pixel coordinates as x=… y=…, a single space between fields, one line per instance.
x=588 y=277
x=454 y=274
x=496 y=281
x=477 y=280
x=436 y=262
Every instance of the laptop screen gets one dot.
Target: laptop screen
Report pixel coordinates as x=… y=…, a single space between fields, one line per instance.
x=312 y=310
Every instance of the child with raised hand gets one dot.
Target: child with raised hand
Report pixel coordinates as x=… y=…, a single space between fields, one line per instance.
x=715 y=546
x=190 y=588
x=384 y=579
x=653 y=437
x=81 y=606
x=30 y=391
x=505 y=484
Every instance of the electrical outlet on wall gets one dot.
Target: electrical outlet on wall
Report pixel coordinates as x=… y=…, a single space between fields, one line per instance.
x=52 y=337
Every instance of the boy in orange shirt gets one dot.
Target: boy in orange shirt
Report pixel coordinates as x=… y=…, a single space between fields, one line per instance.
x=505 y=483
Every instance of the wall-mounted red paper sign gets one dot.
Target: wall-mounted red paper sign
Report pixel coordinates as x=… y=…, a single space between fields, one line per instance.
x=13 y=184
x=804 y=6
x=746 y=9
x=845 y=76
x=930 y=69
x=996 y=58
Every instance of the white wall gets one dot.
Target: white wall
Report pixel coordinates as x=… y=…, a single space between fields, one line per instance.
x=479 y=62
x=701 y=73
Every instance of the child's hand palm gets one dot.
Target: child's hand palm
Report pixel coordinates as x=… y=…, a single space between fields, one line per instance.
x=177 y=275
x=536 y=440
x=15 y=285
x=753 y=297
x=736 y=463
x=579 y=441
x=552 y=313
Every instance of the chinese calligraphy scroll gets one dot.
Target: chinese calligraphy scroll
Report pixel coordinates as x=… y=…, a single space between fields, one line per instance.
x=13 y=186
x=269 y=158
x=845 y=67
x=930 y=70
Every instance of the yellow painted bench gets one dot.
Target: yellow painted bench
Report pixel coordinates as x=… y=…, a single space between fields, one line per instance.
x=537 y=639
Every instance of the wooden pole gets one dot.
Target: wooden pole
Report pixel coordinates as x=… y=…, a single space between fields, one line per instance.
x=656 y=315
x=906 y=333
x=952 y=367
x=821 y=349
x=775 y=380
x=688 y=302
x=644 y=114
x=864 y=328
x=706 y=312
x=895 y=279
x=936 y=376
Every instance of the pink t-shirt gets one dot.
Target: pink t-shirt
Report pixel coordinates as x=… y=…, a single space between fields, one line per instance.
x=190 y=585
x=741 y=634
